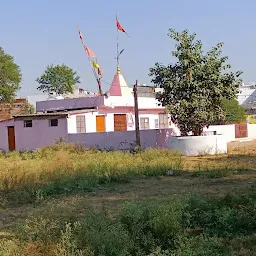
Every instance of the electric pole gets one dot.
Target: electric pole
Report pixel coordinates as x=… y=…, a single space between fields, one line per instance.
x=136 y=110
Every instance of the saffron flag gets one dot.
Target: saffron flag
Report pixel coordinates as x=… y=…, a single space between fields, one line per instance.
x=89 y=52
x=119 y=27
x=95 y=64
x=99 y=72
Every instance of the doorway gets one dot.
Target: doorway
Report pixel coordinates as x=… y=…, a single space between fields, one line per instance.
x=100 y=123
x=11 y=138
x=120 y=122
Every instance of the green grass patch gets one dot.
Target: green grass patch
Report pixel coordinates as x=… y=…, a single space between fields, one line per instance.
x=196 y=225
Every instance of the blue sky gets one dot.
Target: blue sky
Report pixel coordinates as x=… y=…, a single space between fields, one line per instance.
x=42 y=32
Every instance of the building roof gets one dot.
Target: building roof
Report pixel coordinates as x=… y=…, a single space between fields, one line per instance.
x=33 y=99
x=40 y=115
x=55 y=114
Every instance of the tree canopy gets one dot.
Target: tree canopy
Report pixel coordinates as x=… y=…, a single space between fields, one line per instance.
x=28 y=108
x=234 y=113
x=195 y=84
x=10 y=76
x=59 y=79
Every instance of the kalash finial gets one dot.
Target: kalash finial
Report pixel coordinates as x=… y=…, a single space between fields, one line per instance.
x=118 y=70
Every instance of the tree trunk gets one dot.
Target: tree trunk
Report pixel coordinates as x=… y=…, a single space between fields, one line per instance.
x=198 y=131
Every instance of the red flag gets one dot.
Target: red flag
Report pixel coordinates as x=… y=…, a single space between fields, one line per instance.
x=89 y=52
x=119 y=27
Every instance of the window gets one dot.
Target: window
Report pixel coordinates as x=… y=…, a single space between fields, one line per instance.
x=80 y=124
x=53 y=122
x=144 y=123
x=163 y=121
x=27 y=123
x=156 y=123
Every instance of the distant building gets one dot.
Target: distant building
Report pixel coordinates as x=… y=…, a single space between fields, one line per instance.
x=77 y=93
x=247 y=97
x=14 y=108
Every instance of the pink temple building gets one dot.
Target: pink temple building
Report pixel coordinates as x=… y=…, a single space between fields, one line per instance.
x=102 y=121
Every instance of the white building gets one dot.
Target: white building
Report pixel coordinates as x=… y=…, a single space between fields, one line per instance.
x=111 y=112
x=247 y=97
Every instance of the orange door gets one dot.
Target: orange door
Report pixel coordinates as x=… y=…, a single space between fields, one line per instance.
x=120 y=122
x=11 y=138
x=100 y=123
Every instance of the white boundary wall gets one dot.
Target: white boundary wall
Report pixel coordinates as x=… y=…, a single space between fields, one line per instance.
x=227 y=130
x=199 y=145
x=251 y=131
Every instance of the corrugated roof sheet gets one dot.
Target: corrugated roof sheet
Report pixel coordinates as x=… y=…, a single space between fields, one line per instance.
x=61 y=113
x=43 y=114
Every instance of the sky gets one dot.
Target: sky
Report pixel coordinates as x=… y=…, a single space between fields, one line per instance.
x=44 y=32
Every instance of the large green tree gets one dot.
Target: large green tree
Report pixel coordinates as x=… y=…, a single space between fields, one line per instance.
x=195 y=84
x=59 y=79
x=10 y=76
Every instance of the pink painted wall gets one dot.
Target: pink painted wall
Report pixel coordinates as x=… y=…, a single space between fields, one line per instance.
x=4 y=134
x=162 y=136
x=40 y=135
x=121 y=140
x=76 y=103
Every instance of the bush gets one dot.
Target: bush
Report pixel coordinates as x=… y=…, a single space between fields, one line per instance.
x=106 y=237
x=198 y=225
x=228 y=217
x=65 y=168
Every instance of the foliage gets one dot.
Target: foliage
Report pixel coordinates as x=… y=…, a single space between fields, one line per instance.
x=10 y=76
x=70 y=225
x=29 y=177
x=59 y=79
x=194 y=86
x=28 y=108
x=234 y=113
x=227 y=227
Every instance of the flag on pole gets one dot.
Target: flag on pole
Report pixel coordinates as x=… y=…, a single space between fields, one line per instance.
x=119 y=27
x=99 y=72
x=89 y=52
x=95 y=64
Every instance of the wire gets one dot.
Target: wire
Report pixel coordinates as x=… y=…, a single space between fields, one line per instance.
x=145 y=87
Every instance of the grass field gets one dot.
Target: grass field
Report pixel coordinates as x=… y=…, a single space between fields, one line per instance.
x=65 y=200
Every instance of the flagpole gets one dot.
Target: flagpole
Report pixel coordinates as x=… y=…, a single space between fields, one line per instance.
x=90 y=61
x=117 y=47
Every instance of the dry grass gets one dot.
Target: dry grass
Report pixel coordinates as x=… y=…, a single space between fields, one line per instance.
x=37 y=184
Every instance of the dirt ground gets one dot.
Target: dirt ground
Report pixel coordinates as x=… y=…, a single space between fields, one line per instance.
x=242 y=156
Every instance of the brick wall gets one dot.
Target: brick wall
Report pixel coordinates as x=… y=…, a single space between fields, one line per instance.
x=9 y=109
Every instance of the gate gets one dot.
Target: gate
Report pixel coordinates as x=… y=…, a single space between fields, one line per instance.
x=241 y=130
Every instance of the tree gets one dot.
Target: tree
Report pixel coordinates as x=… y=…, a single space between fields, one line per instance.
x=234 y=113
x=10 y=76
x=195 y=84
x=59 y=79
x=28 y=108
